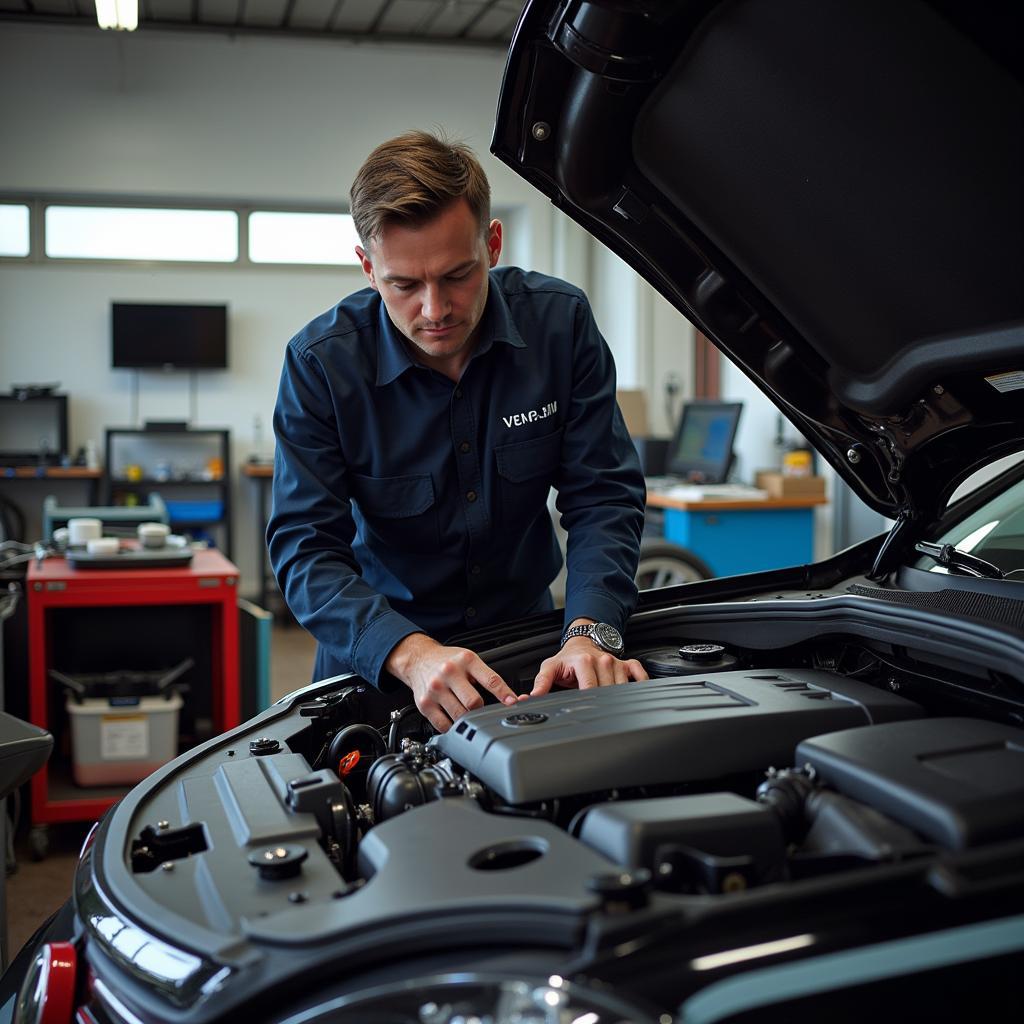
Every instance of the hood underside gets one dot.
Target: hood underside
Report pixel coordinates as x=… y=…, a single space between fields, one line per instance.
x=831 y=192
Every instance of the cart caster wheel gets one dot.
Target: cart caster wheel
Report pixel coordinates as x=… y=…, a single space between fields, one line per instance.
x=39 y=842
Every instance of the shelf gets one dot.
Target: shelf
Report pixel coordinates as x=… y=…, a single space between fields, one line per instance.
x=116 y=482
x=49 y=473
x=184 y=450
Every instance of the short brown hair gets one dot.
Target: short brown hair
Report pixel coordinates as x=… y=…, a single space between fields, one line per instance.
x=412 y=178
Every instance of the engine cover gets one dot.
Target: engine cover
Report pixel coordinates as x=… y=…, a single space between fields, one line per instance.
x=660 y=731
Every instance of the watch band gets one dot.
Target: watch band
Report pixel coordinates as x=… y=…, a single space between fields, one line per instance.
x=602 y=634
x=586 y=629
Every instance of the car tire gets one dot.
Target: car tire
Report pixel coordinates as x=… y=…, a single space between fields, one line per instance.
x=664 y=564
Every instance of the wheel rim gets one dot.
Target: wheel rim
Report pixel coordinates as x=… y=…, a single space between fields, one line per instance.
x=657 y=571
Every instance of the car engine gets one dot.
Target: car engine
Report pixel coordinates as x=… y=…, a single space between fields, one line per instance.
x=709 y=781
x=337 y=828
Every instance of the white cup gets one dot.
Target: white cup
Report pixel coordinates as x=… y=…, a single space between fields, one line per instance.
x=81 y=531
x=103 y=545
x=153 y=535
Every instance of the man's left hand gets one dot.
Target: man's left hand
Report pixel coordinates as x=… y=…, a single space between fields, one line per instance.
x=583 y=664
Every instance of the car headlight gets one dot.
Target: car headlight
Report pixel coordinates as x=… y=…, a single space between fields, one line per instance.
x=480 y=999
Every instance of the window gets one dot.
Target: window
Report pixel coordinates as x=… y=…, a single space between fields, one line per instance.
x=276 y=237
x=14 y=237
x=126 y=233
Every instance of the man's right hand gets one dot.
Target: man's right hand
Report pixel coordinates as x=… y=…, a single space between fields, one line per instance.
x=444 y=680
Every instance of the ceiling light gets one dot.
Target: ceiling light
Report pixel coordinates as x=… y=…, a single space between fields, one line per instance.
x=118 y=14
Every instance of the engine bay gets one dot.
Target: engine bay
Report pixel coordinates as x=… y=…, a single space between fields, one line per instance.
x=715 y=777
x=757 y=786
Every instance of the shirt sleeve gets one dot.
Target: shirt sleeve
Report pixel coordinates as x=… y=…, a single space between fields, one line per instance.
x=311 y=530
x=601 y=493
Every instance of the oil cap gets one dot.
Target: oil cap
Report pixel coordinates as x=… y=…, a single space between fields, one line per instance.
x=702 y=653
x=687 y=660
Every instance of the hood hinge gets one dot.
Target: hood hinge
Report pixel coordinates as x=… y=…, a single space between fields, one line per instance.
x=900 y=539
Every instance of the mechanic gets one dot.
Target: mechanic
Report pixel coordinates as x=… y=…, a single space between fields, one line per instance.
x=420 y=425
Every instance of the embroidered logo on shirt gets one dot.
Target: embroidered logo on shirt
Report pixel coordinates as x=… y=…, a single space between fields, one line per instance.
x=519 y=419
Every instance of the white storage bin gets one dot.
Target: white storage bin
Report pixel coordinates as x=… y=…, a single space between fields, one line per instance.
x=115 y=743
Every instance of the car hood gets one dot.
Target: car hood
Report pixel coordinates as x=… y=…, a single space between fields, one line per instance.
x=832 y=193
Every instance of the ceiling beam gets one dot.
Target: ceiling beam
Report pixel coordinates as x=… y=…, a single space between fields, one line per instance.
x=476 y=19
x=384 y=8
x=87 y=24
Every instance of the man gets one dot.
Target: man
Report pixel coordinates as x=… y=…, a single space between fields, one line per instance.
x=420 y=424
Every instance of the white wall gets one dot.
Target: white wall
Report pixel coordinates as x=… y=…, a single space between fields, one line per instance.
x=648 y=337
x=186 y=116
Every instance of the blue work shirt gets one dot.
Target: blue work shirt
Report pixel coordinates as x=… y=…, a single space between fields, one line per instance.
x=404 y=502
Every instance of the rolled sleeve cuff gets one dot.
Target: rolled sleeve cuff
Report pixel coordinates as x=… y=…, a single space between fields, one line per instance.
x=375 y=643
x=594 y=604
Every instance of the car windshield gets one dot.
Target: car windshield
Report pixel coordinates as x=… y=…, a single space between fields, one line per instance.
x=994 y=532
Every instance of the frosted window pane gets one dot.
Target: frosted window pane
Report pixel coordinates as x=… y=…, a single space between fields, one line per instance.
x=13 y=230
x=302 y=238
x=121 y=233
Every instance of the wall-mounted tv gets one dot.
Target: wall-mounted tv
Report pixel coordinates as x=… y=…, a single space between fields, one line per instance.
x=148 y=336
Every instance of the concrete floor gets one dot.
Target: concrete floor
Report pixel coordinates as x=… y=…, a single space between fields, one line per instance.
x=36 y=890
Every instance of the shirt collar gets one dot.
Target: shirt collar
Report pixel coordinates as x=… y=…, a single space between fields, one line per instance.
x=496 y=324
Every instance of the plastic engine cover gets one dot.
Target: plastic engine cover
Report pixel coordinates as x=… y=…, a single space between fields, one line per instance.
x=659 y=731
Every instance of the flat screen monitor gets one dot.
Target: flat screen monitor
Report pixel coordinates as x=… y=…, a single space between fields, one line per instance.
x=701 y=450
x=148 y=336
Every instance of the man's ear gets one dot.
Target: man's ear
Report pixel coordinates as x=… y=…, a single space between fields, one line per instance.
x=493 y=243
x=364 y=262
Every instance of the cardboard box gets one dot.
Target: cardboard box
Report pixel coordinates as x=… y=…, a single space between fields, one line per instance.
x=633 y=403
x=779 y=486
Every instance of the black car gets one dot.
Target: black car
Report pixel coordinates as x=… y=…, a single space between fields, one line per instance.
x=815 y=808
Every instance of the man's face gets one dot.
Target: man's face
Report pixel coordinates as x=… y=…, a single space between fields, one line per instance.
x=433 y=280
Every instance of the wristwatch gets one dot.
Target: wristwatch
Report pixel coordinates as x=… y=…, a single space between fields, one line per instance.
x=608 y=638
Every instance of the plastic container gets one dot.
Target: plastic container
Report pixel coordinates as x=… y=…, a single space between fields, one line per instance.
x=121 y=740
x=194 y=511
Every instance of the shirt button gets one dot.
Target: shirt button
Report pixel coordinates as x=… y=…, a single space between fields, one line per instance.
x=464 y=447
x=475 y=570
x=458 y=392
x=470 y=495
x=470 y=613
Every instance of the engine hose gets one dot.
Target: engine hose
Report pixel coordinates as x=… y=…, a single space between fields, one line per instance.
x=787 y=793
x=396 y=725
x=343 y=736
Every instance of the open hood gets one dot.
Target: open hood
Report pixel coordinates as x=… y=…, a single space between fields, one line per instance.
x=830 y=191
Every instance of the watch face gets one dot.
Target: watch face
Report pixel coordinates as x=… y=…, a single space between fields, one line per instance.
x=608 y=638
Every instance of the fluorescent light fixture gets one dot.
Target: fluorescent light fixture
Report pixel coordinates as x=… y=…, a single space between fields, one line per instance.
x=736 y=956
x=118 y=14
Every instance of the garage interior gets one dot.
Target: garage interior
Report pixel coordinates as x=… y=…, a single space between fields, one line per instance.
x=237 y=112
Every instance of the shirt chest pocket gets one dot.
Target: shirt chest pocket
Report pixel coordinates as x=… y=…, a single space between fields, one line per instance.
x=527 y=470
x=400 y=512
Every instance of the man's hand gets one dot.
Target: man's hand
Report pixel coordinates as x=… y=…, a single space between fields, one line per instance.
x=444 y=680
x=582 y=663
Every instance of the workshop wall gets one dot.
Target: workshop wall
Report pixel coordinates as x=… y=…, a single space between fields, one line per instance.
x=164 y=115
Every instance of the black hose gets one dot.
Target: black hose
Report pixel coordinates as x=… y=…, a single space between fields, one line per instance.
x=341 y=738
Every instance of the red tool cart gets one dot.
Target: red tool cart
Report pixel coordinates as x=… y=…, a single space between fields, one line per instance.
x=125 y=609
